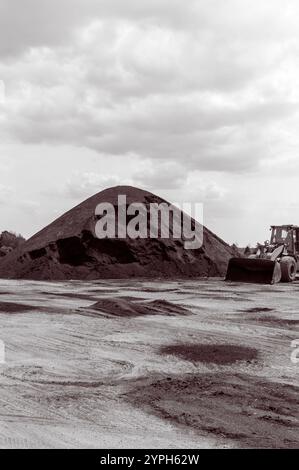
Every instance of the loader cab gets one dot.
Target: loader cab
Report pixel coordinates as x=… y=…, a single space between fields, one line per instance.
x=287 y=235
x=296 y=240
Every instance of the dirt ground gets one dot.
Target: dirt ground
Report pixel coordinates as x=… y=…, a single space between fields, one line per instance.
x=112 y=364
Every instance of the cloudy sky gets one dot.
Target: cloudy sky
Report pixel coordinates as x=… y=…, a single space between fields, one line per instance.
x=194 y=100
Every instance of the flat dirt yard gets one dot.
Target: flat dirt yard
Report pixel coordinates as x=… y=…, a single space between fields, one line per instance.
x=112 y=364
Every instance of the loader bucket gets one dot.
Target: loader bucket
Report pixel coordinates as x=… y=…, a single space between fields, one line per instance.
x=256 y=270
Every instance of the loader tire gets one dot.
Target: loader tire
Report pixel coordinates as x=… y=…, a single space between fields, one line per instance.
x=288 y=269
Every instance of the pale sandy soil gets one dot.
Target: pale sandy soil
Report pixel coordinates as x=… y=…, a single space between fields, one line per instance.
x=216 y=375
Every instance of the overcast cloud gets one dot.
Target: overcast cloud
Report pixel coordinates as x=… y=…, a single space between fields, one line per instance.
x=194 y=100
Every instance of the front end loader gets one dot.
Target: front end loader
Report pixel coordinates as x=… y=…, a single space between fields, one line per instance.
x=274 y=261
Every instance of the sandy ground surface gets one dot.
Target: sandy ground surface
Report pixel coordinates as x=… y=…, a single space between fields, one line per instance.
x=148 y=364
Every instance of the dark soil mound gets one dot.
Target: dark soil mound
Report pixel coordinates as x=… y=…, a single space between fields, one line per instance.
x=222 y=354
x=128 y=307
x=69 y=249
x=247 y=410
x=12 y=307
